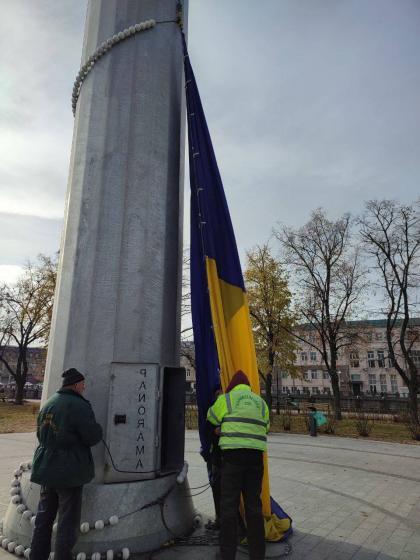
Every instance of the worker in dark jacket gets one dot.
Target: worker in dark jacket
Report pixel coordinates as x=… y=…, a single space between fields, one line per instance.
x=244 y=421
x=62 y=464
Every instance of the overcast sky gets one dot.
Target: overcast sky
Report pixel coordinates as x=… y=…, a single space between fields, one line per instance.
x=310 y=103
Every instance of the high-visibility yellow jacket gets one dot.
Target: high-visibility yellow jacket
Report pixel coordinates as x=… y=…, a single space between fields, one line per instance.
x=243 y=418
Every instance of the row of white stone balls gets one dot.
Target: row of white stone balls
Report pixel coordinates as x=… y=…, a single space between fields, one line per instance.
x=102 y=49
x=28 y=514
x=20 y=550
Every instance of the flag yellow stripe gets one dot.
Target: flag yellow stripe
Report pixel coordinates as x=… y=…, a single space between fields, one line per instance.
x=235 y=343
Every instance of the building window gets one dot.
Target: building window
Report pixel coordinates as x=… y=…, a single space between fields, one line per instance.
x=394 y=384
x=371 y=359
x=372 y=382
x=325 y=375
x=285 y=389
x=313 y=356
x=381 y=358
x=382 y=381
x=415 y=355
x=314 y=375
x=306 y=376
x=379 y=335
x=293 y=389
x=326 y=391
x=354 y=360
x=355 y=377
x=284 y=375
x=303 y=357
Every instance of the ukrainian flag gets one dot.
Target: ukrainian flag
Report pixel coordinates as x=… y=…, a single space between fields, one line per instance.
x=221 y=323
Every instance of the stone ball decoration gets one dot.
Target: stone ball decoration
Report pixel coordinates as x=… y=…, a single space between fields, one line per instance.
x=99 y=525
x=27 y=553
x=84 y=527
x=113 y=520
x=101 y=50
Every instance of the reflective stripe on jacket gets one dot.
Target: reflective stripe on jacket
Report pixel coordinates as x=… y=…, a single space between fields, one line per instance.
x=243 y=417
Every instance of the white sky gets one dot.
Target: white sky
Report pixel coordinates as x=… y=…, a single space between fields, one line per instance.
x=310 y=103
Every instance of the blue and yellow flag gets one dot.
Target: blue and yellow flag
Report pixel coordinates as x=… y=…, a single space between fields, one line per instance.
x=221 y=322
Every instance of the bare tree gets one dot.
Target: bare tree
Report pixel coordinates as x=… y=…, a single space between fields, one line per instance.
x=329 y=282
x=187 y=344
x=391 y=235
x=25 y=317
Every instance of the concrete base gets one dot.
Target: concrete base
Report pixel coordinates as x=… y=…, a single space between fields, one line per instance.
x=139 y=531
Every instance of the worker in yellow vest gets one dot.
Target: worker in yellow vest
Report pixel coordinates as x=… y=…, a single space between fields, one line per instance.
x=243 y=420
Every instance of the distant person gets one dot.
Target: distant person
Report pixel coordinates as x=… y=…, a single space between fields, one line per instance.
x=244 y=421
x=62 y=464
x=313 y=425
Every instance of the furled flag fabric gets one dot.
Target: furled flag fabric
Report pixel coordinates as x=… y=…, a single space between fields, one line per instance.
x=221 y=323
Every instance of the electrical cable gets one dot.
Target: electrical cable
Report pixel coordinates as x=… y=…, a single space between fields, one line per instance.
x=198 y=487
x=197 y=494
x=126 y=472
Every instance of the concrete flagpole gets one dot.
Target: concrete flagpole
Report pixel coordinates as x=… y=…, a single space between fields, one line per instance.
x=117 y=308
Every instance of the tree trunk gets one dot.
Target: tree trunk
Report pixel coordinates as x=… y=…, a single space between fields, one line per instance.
x=336 y=393
x=268 y=395
x=19 y=391
x=413 y=402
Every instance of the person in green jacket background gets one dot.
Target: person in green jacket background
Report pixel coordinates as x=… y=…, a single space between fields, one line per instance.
x=62 y=464
x=243 y=420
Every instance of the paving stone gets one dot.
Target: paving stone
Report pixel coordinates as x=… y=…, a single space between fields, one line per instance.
x=350 y=499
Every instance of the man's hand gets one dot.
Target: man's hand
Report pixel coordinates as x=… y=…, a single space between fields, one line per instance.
x=217 y=431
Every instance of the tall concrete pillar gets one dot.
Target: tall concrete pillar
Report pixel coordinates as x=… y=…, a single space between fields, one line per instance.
x=117 y=308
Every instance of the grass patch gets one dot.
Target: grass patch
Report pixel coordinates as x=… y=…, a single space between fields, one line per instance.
x=382 y=430
x=18 y=418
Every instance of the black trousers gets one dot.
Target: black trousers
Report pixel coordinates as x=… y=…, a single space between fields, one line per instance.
x=68 y=503
x=244 y=477
x=215 y=477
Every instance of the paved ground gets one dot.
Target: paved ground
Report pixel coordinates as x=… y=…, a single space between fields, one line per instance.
x=349 y=499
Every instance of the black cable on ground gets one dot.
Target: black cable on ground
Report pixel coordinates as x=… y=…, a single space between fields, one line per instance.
x=197 y=494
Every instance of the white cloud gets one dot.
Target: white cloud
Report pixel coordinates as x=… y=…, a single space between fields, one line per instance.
x=309 y=103
x=9 y=273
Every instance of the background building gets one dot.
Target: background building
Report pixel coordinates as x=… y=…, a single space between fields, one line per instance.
x=36 y=364
x=364 y=367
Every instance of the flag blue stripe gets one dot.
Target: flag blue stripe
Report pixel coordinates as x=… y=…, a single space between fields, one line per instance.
x=215 y=227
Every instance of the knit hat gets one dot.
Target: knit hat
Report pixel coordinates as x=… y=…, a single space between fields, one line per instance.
x=240 y=378
x=71 y=376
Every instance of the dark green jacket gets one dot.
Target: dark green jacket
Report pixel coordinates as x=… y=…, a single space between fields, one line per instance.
x=67 y=429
